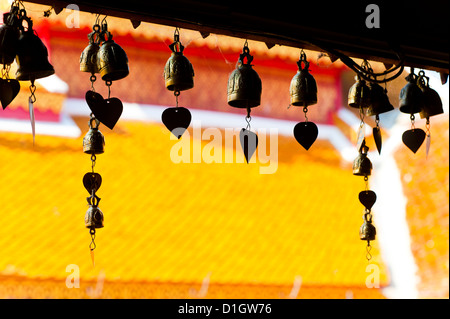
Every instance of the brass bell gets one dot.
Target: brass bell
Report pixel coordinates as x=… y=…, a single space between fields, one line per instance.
x=32 y=56
x=411 y=96
x=359 y=94
x=93 y=141
x=367 y=231
x=362 y=166
x=178 y=71
x=93 y=217
x=432 y=103
x=111 y=58
x=244 y=85
x=379 y=101
x=303 y=89
x=9 y=37
x=88 y=58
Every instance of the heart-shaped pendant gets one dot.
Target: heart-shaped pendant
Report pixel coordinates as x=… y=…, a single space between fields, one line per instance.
x=92 y=182
x=106 y=111
x=249 y=143
x=367 y=198
x=176 y=119
x=377 y=137
x=9 y=88
x=413 y=138
x=306 y=133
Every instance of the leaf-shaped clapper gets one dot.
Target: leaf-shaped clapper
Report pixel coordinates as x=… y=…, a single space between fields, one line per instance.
x=413 y=138
x=367 y=198
x=9 y=88
x=176 y=119
x=249 y=143
x=306 y=134
x=106 y=111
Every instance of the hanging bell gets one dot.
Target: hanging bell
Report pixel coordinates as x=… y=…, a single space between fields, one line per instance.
x=367 y=231
x=362 y=166
x=111 y=58
x=88 y=58
x=359 y=94
x=432 y=103
x=379 y=101
x=32 y=56
x=93 y=141
x=411 y=96
x=178 y=71
x=93 y=217
x=244 y=85
x=9 y=38
x=303 y=89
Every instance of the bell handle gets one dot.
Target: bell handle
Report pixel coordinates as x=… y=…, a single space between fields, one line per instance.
x=23 y=16
x=176 y=47
x=245 y=54
x=423 y=80
x=368 y=216
x=97 y=123
x=299 y=63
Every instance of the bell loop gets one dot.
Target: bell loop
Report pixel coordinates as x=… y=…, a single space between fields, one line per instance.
x=97 y=123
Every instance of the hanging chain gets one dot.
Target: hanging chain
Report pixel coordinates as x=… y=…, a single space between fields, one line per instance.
x=108 y=84
x=92 y=245
x=412 y=117
x=305 y=110
x=427 y=127
x=177 y=94
x=93 y=78
x=368 y=249
x=32 y=90
x=5 y=71
x=248 y=119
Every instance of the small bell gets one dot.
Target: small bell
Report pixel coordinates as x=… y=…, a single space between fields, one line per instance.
x=244 y=85
x=93 y=217
x=93 y=141
x=379 y=101
x=9 y=37
x=303 y=89
x=32 y=56
x=432 y=103
x=178 y=71
x=362 y=166
x=88 y=58
x=111 y=58
x=367 y=231
x=359 y=94
x=411 y=96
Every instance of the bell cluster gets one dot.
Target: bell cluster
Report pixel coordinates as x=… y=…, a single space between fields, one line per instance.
x=23 y=45
x=104 y=56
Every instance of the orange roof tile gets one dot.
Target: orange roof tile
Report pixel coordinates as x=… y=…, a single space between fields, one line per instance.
x=174 y=224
